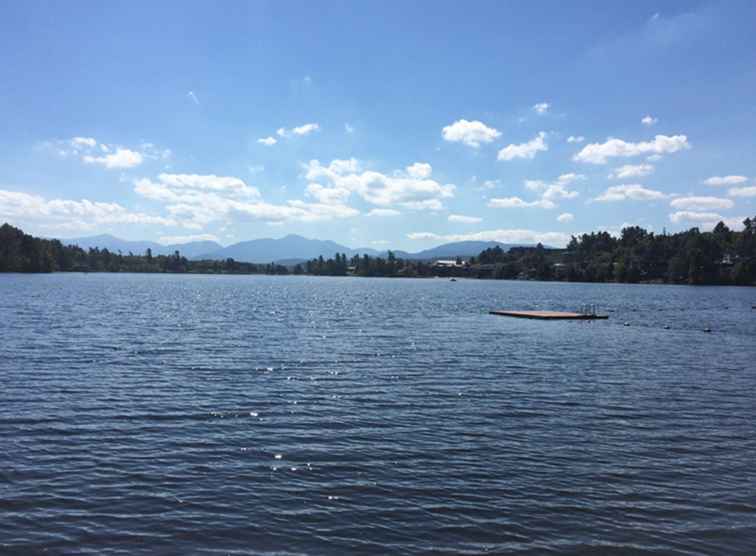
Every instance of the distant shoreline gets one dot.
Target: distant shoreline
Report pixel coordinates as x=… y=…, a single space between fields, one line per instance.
x=719 y=258
x=441 y=278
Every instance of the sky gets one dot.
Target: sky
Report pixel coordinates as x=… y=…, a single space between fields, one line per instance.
x=376 y=124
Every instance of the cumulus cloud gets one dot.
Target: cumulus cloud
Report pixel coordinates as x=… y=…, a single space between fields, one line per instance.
x=742 y=191
x=701 y=203
x=305 y=129
x=268 y=141
x=198 y=200
x=109 y=156
x=471 y=133
x=121 y=158
x=420 y=170
x=629 y=192
x=600 y=153
x=541 y=108
x=555 y=239
x=209 y=182
x=517 y=202
x=565 y=217
x=631 y=171
x=575 y=139
x=90 y=142
x=694 y=216
x=552 y=191
x=383 y=212
x=649 y=120
x=461 y=219
x=412 y=188
x=725 y=181
x=71 y=214
x=180 y=240
x=525 y=150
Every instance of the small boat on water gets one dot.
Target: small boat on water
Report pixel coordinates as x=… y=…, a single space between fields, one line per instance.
x=453 y=280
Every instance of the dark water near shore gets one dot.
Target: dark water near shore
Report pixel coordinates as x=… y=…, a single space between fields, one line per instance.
x=236 y=415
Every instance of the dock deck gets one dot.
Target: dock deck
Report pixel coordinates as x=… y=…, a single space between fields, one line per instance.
x=549 y=315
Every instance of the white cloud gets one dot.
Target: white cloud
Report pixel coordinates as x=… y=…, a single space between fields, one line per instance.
x=384 y=212
x=525 y=150
x=256 y=169
x=693 y=216
x=180 y=240
x=471 y=133
x=517 y=202
x=305 y=129
x=491 y=184
x=558 y=191
x=192 y=96
x=70 y=214
x=89 y=151
x=701 y=203
x=575 y=139
x=725 y=181
x=649 y=120
x=629 y=192
x=565 y=217
x=600 y=153
x=631 y=171
x=413 y=188
x=554 y=239
x=121 y=158
x=742 y=191
x=420 y=170
x=327 y=195
x=199 y=200
x=555 y=190
x=148 y=150
x=541 y=108
x=268 y=141
x=84 y=142
x=210 y=182
x=301 y=130
x=461 y=219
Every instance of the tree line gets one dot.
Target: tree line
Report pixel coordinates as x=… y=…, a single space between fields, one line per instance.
x=722 y=256
x=20 y=252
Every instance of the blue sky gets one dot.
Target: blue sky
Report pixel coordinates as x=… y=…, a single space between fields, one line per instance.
x=403 y=124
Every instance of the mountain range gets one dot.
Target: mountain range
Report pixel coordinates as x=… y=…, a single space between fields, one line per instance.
x=288 y=250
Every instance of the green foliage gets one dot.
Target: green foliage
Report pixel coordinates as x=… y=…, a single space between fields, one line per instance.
x=20 y=252
x=721 y=256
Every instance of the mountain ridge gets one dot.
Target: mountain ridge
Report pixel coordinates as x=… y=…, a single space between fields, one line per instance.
x=290 y=248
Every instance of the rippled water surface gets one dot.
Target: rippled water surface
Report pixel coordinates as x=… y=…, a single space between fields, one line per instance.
x=234 y=415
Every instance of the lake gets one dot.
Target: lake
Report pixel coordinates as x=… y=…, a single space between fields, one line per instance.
x=174 y=414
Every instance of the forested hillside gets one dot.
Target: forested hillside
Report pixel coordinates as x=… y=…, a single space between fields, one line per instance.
x=722 y=256
x=20 y=252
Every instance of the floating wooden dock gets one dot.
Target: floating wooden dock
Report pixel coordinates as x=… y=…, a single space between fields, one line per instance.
x=549 y=315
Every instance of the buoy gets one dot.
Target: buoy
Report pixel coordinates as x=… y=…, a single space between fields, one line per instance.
x=707 y=329
x=666 y=327
x=627 y=324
